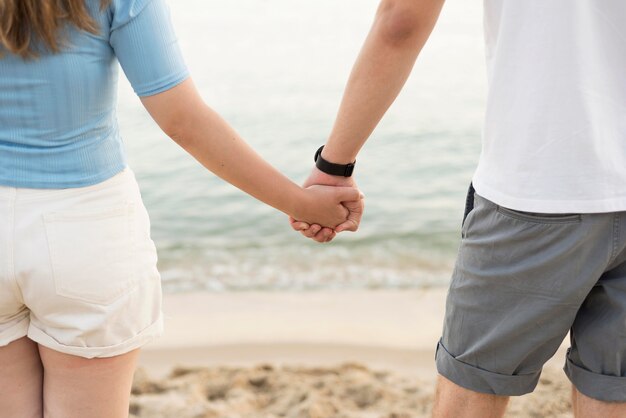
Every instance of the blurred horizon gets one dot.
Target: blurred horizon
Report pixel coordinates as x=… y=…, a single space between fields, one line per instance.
x=276 y=71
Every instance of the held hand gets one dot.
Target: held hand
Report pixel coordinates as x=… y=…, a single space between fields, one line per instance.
x=355 y=208
x=325 y=205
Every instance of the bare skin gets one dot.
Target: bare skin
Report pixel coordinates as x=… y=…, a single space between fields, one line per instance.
x=21 y=380
x=38 y=382
x=355 y=208
x=399 y=32
x=453 y=401
x=75 y=387
x=586 y=407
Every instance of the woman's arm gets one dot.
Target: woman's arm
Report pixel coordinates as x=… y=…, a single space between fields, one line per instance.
x=183 y=116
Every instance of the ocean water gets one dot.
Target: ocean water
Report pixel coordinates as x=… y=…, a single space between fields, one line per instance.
x=276 y=69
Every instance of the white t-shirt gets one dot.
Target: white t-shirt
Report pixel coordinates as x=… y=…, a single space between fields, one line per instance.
x=555 y=130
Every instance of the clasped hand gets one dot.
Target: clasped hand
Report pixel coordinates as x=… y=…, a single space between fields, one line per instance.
x=345 y=217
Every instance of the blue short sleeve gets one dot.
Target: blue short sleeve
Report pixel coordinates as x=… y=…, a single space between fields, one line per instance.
x=146 y=46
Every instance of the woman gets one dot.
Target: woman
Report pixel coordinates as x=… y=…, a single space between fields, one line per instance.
x=79 y=289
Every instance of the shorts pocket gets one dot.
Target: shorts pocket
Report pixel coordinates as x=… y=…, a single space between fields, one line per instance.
x=92 y=253
x=469 y=207
x=469 y=202
x=543 y=218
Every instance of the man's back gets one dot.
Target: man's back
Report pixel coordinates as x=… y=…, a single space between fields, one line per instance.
x=555 y=131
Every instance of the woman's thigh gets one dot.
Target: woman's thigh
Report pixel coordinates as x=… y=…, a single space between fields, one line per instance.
x=76 y=387
x=21 y=380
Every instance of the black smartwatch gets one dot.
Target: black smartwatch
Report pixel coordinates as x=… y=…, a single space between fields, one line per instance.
x=333 y=169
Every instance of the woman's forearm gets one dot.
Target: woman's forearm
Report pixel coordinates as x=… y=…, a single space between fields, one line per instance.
x=399 y=32
x=220 y=149
x=183 y=115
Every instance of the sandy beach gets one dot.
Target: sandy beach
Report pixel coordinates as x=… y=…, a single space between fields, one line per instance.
x=319 y=354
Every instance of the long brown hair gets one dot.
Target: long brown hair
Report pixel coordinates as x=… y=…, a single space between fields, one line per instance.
x=27 y=26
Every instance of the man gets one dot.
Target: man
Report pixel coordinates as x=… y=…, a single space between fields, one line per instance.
x=543 y=247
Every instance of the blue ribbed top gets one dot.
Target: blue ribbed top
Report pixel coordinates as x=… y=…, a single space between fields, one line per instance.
x=58 y=125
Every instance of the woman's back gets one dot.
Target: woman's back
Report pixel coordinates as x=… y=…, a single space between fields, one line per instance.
x=58 y=125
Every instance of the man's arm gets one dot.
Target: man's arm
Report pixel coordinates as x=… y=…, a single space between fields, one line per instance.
x=400 y=30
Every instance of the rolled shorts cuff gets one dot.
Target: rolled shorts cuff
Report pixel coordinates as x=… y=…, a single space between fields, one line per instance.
x=15 y=331
x=594 y=385
x=145 y=336
x=480 y=380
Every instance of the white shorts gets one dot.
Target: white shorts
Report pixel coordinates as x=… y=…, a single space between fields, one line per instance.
x=78 y=268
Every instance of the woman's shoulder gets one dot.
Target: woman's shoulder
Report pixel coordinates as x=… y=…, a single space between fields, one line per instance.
x=123 y=11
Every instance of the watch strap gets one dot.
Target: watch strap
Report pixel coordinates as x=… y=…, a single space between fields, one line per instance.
x=333 y=169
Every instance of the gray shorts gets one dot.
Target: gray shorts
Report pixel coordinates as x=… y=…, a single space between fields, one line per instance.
x=521 y=282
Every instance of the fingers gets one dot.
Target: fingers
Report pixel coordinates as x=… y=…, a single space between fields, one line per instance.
x=355 y=209
x=348 y=194
x=352 y=213
x=349 y=225
x=315 y=232
x=324 y=235
x=298 y=225
x=331 y=236
x=327 y=234
x=319 y=234
x=348 y=214
x=311 y=231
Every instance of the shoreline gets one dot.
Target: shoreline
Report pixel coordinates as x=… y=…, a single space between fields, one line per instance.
x=394 y=330
x=409 y=319
x=374 y=346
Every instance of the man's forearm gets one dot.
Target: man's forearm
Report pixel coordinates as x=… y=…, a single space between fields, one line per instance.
x=398 y=34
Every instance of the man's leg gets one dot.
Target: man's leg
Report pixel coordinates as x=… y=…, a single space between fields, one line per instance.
x=586 y=407
x=596 y=361
x=21 y=380
x=518 y=283
x=451 y=401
